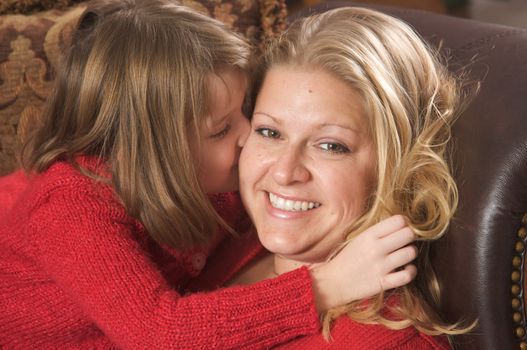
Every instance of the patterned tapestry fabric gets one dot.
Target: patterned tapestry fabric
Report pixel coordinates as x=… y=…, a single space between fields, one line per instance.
x=30 y=46
x=30 y=6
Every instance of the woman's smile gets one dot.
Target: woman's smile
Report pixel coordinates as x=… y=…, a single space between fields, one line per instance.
x=285 y=204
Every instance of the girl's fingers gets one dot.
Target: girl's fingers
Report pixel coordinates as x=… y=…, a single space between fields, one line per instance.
x=398 y=239
x=387 y=226
x=399 y=278
x=400 y=258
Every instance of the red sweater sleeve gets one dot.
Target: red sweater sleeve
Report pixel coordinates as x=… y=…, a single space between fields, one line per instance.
x=89 y=249
x=10 y=188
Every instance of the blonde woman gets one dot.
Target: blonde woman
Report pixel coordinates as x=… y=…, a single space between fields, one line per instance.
x=351 y=126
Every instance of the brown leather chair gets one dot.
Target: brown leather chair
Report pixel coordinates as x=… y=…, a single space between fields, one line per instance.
x=480 y=262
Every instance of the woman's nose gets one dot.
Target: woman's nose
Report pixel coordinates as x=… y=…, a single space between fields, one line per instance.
x=289 y=169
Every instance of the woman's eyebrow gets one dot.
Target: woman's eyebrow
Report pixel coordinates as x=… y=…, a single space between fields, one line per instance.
x=276 y=120
x=349 y=128
x=321 y=125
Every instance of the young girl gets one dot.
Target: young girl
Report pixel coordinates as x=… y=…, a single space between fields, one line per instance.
x=113 y=219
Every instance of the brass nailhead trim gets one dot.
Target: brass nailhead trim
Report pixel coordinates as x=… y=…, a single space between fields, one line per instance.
x=516 y=289
x=517 y=277
x=520 y=332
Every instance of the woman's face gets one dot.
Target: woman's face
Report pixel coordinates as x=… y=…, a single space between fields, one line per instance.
x=307 y=168
x=223 y=134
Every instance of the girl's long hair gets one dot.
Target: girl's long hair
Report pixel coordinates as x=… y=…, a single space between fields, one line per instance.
x=131 y=91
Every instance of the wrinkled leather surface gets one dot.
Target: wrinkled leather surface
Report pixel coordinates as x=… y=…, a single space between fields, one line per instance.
x=474 y=260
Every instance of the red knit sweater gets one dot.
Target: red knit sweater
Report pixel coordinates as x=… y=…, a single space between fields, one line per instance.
x=77 y=272
x=345 y=333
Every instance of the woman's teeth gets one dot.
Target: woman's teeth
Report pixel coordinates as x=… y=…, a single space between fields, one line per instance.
x=289 y=205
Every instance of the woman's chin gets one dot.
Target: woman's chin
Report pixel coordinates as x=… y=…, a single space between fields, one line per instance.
x=281 y=244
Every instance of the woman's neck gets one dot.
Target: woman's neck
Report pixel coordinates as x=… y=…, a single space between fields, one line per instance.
x=268 y=266
x=282 y=265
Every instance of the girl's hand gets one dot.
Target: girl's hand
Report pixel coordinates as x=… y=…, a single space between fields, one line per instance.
x=367 y=265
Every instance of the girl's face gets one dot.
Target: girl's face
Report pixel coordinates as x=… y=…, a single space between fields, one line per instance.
x=307 y=168
x=223 y=133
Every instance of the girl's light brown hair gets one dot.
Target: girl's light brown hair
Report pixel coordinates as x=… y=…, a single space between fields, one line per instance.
x=132 y=91
x=411 y=101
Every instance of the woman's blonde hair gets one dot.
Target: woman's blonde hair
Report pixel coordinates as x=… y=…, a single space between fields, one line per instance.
x=132 y=90
x=410 y=100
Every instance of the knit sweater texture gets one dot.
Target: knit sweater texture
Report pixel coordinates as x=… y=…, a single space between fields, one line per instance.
x=77 y=272
x=345 y=333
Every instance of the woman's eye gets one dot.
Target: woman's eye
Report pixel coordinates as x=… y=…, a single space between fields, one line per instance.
x=333 y=147
x=222 y=133
x=269 y=133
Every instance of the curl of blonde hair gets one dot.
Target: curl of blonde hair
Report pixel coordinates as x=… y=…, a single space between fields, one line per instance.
x=132 y=90
x=411 y=101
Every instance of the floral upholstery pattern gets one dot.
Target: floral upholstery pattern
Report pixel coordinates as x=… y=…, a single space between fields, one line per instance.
x=30 y=46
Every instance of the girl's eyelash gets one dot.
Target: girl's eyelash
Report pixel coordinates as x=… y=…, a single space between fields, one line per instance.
x=222 y=133
x=334 y=147
x=267 y=132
